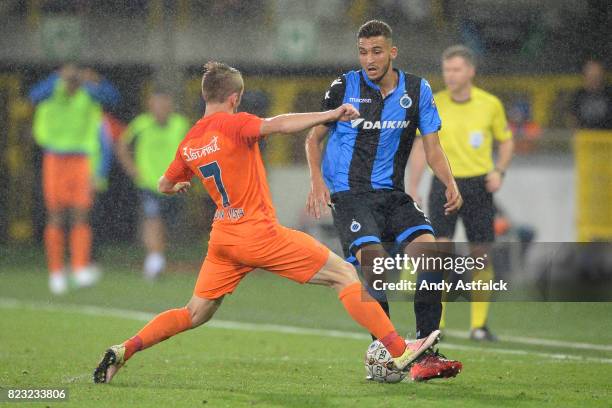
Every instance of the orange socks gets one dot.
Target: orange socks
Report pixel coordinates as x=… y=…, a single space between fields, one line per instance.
x=368 y=313
x=54 y=245
x=163 y=326
x=80 y=245
x=362 y=308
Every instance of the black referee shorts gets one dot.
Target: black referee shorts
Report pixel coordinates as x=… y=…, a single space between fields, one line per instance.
x=477 y=212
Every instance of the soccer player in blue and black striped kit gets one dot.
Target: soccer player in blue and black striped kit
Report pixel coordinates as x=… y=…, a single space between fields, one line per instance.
x=361 y=173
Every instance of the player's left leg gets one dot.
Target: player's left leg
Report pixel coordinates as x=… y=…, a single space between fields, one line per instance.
x=428 y=311
x=364 y=310
x=85 y=274
x=301 y=258
x=53 y=181
x=414 y=237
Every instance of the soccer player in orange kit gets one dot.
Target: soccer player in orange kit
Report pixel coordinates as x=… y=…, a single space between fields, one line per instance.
x=221 y=149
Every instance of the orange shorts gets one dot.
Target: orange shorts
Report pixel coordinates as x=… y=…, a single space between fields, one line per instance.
x=66 y=181
x=288 y=253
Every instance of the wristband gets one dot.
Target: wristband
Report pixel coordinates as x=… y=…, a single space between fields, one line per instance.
x=500 y=171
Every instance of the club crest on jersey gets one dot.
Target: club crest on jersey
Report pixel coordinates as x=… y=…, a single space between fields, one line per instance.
x=355 y=226
x=193 y=154
x=405 y=101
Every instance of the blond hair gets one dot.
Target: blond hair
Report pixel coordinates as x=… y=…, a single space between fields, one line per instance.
x=219 y=81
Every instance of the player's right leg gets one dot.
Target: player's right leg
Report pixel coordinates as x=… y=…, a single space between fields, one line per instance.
x=342 y=277
x=54 y=238
x=218 y=277
x=358 y=221
x=54 y=234
x=163 y=326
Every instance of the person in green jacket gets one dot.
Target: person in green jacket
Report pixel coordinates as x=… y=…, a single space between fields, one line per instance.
x=145 y=149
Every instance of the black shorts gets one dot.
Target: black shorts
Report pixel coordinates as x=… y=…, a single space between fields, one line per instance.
x=388 y=217
x=477 y=212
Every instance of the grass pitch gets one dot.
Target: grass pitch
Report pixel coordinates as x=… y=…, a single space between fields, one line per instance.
x=276 y=343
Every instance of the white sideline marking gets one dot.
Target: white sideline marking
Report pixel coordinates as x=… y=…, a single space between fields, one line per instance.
x=263 y=327
x=536 y=341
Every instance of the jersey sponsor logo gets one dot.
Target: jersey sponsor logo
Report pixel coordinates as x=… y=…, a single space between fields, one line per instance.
x=194 y=154
x=355 y=226
x=360 y=100
x=405 y=101
x=327 y=95
x=337 y=81
x=384 y=124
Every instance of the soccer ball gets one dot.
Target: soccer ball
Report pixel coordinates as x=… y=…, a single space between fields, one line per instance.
x=379 y=365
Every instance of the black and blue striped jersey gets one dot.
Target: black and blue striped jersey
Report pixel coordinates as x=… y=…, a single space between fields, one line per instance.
x=371 y=152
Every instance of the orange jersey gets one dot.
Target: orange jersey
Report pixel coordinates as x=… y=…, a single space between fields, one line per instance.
x=222 y=151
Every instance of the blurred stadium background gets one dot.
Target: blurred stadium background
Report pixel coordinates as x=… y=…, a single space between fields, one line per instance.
x=530 y=54
x=558 y=189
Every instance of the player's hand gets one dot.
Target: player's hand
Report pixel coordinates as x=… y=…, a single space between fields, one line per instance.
x=493 y=181
x=318 y=199
x=345 y=112
x=454 y=201
x=182 y=187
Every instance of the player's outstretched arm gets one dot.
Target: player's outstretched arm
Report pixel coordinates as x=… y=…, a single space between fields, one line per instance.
x=167 y=187
x=296 y=122
x=439 y=164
